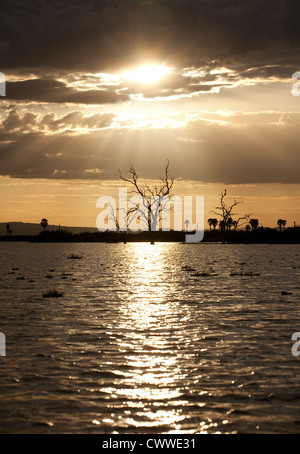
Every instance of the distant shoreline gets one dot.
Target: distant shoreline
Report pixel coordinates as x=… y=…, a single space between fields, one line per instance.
x=258 y=236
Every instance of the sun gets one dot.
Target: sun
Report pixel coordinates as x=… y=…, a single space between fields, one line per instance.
x=147 y=74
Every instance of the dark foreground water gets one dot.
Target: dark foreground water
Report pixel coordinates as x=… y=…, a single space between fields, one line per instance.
x=170 y=338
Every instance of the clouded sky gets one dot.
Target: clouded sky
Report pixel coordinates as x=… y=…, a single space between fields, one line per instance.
x=94 y=86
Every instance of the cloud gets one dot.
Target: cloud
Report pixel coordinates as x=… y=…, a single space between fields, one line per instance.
x=67 y=51
x=50 y=90
x=74 y=121
x=235 y=149
x=66 y=57
x=101 y=35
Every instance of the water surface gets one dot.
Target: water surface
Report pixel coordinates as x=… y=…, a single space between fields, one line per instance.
x=170 y=338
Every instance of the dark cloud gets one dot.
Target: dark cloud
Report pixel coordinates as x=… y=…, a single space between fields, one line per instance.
x=50 y=90
x=100 y=35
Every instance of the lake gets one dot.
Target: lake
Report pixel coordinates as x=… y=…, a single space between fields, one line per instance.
x=165 y=338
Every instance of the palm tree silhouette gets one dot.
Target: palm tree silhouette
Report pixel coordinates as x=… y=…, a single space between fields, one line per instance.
x=254 y=223
x=222 y=225
x=229 y=223
x=281 y=223
x=187 y=223
x=44 y=223
x=212 y=222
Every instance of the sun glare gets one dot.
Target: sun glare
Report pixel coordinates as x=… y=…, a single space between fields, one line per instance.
x=147 y=74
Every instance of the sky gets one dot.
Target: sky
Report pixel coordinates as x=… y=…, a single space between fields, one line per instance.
x=97 y=86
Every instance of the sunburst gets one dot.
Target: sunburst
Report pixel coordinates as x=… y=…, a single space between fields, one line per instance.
x=147 y=74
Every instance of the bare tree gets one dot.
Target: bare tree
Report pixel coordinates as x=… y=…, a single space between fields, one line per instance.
x=113 y=216
x=226 y=213
x=154 y=197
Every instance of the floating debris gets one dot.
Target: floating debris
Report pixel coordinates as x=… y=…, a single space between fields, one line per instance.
x=48 y=276
x=187 y=268
x=286 y=293
x=53 y=294
x=74 y=257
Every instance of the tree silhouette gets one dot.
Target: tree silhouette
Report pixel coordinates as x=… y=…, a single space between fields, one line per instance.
x=113 y=216
x=186 y=223
x=153 y=196
x=230 y=222
x=248 y=228
x=254 y=223
x=7 y=229
x=212 y=222
x=226 y=212
x=281 y=223
x=44 y=223
x=222 y=225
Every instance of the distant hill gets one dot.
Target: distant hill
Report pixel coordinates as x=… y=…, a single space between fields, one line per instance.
x=25 y=228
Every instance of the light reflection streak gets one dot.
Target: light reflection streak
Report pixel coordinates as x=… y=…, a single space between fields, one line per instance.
x=147 y=315
x=153 y=382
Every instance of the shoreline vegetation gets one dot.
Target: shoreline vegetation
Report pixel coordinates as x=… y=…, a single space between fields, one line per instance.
x=258 y=236
x=154 y=200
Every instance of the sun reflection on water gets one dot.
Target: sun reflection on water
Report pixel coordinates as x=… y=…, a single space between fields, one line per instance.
x=158 y=381
x=147 y=321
